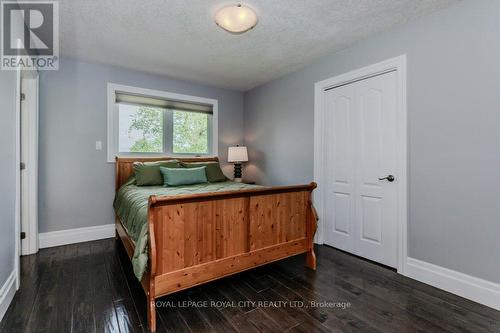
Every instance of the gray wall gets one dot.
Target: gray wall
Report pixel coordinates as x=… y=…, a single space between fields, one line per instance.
x=7 y=172
x=454 y=136
x=76 y=183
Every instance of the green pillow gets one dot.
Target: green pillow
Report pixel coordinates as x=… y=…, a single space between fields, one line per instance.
x=183 y=176
x=214 y=172
x=148 y=173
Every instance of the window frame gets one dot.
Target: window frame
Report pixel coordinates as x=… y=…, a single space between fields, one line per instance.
x=113 y=117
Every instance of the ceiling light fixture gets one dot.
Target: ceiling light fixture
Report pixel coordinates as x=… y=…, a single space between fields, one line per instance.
x=236 y=19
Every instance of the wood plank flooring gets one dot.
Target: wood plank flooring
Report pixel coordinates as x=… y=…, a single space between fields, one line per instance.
x=90 y=287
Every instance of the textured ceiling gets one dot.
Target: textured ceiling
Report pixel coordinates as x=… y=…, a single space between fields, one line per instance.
x=180 y=39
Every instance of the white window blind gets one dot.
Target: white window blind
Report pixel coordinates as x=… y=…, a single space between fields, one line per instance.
x=128 y=98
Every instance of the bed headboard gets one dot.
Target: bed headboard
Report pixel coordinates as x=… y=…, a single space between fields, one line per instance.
x=124 y=166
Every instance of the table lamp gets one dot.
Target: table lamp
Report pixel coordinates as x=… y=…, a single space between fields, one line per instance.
x=237 y=155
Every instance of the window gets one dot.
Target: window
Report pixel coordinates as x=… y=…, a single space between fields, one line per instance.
x=190 y=132
x=144 y=122
x=140 y=129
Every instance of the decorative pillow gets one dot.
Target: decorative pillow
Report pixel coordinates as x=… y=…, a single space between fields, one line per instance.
x=183 y=176
x=214 y=172
x=148 y=173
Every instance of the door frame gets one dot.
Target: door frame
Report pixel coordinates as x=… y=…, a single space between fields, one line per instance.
x=17 y=215
x=29 y=193
x=397 y=64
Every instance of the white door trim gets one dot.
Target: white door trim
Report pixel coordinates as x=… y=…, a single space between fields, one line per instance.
x=397 y=64
x=17 y=218
x=29 y=137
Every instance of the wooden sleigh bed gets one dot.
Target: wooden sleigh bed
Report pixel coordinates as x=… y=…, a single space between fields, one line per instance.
x=196 y=238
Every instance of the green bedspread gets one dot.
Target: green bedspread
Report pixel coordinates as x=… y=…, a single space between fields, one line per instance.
x=131 y=206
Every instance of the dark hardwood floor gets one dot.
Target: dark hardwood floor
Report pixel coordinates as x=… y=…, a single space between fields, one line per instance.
x=89 y=287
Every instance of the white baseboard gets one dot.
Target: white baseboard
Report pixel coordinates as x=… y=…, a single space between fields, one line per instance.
x=470 y=287
x=78 y=235
x=7 y=293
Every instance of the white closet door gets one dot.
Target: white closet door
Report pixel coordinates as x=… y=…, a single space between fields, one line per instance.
x=361 y=159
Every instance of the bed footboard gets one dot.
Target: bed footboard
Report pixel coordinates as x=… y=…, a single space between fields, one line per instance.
x=203 y=237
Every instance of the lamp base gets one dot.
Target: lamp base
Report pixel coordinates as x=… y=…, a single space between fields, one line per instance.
x=238 y=180
x=237 y=172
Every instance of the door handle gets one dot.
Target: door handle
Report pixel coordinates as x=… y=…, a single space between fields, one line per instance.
x=389 y=178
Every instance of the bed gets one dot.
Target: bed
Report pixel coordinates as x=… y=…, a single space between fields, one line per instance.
x=195 y=234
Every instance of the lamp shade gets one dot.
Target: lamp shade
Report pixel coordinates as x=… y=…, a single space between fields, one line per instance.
x=237 y=154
